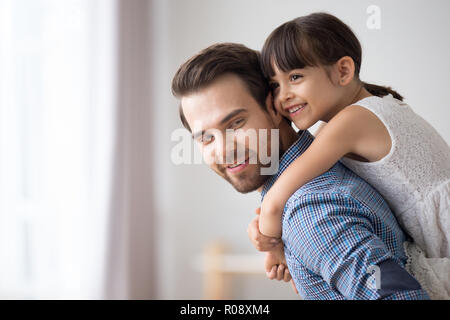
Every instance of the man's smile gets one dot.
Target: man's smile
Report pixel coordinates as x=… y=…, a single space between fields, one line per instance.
x=238 y=167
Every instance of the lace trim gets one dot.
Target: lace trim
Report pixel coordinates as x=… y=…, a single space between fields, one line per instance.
x=432 y=281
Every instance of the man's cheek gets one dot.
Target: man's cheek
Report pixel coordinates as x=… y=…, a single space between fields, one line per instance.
x=208 y=156
x=246 y=144
x=268 y=151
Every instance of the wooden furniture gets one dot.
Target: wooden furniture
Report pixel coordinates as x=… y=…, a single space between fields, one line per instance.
x=218 y=267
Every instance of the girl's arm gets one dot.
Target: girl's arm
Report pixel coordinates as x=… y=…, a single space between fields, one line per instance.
x=342 y=135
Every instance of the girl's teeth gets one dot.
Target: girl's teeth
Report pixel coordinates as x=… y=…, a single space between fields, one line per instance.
x=296 y=108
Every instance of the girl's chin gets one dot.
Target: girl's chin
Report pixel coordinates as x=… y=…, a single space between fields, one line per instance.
x=301 y=125
x=304 y=124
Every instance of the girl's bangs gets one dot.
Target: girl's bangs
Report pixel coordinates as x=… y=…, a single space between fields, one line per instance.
x=286 y=49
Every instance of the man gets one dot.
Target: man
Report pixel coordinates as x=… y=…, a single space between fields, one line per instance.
x=337 y=230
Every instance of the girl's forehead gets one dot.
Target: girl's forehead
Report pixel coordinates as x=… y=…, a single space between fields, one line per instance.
x=303 y=70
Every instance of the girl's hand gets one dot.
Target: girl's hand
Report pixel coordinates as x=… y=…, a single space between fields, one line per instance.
x=274 y=269
x=260 y=241
x=275 y=265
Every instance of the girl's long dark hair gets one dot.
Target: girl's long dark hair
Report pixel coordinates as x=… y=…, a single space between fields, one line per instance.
x=318 y=39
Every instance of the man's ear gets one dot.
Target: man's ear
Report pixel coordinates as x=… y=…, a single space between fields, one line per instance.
x=273 y=112
x=345 y=67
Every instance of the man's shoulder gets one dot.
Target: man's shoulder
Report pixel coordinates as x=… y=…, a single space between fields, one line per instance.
x=336 y=186
x=328 y=182
x=338 y=193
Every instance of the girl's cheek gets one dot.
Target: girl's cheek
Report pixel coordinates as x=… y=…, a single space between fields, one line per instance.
x=278 y=105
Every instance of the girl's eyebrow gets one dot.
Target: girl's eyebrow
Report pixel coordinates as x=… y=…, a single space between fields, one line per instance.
x=304 y=69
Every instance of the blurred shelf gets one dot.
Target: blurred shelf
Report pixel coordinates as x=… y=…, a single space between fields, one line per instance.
x=217 y=266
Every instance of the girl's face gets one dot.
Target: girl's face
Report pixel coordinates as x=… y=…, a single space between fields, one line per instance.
x=306 y=95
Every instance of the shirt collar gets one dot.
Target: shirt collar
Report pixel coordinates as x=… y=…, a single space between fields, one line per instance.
x=293 y=152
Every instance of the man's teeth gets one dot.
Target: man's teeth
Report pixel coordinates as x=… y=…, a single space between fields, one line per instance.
x=237 y=164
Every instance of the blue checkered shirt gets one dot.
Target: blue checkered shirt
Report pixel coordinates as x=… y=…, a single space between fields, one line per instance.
x=336 y=230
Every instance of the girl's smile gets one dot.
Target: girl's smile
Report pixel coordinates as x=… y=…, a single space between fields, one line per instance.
x=295 y=109
x=305 y=96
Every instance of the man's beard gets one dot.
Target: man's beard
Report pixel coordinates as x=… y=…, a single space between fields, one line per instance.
x=247 y=181
x=250 y=179
x=257 y=172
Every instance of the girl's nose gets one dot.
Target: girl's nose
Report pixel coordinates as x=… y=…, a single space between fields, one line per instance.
x=285 y=94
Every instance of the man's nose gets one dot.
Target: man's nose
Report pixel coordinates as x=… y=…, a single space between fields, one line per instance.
x=225 y=150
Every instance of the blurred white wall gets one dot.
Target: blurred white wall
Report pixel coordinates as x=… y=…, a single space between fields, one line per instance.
x=195 y=206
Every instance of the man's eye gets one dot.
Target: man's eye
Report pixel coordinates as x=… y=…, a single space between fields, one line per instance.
x=236 y=123
x=206 y=138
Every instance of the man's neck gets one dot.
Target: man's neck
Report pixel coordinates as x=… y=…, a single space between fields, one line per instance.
x=287 y=137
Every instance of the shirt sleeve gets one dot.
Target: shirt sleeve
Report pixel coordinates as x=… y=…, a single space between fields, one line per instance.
x=332 y=237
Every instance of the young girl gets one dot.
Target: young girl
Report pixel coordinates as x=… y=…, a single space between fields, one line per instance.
x=313 y=65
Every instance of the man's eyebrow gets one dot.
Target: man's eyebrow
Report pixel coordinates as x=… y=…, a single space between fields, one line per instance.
x=224 y=120
x=231 y=115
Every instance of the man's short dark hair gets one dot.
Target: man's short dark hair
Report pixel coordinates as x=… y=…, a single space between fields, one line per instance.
x=215 y=61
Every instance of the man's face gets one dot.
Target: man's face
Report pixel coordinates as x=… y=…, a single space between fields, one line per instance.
x=223 y=105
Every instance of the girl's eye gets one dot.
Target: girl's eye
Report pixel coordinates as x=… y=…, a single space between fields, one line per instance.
x=295 y=77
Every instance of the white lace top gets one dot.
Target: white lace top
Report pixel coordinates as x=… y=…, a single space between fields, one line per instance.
x=414 y=178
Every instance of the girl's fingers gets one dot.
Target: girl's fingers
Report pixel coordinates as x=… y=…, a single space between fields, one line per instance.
x=272 y=273
x=280 y=272
x=287 y=275
x=258 y=210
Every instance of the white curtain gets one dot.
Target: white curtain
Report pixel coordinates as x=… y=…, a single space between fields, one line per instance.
x=130 y=272
x=57 y=118
x=76 y=212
